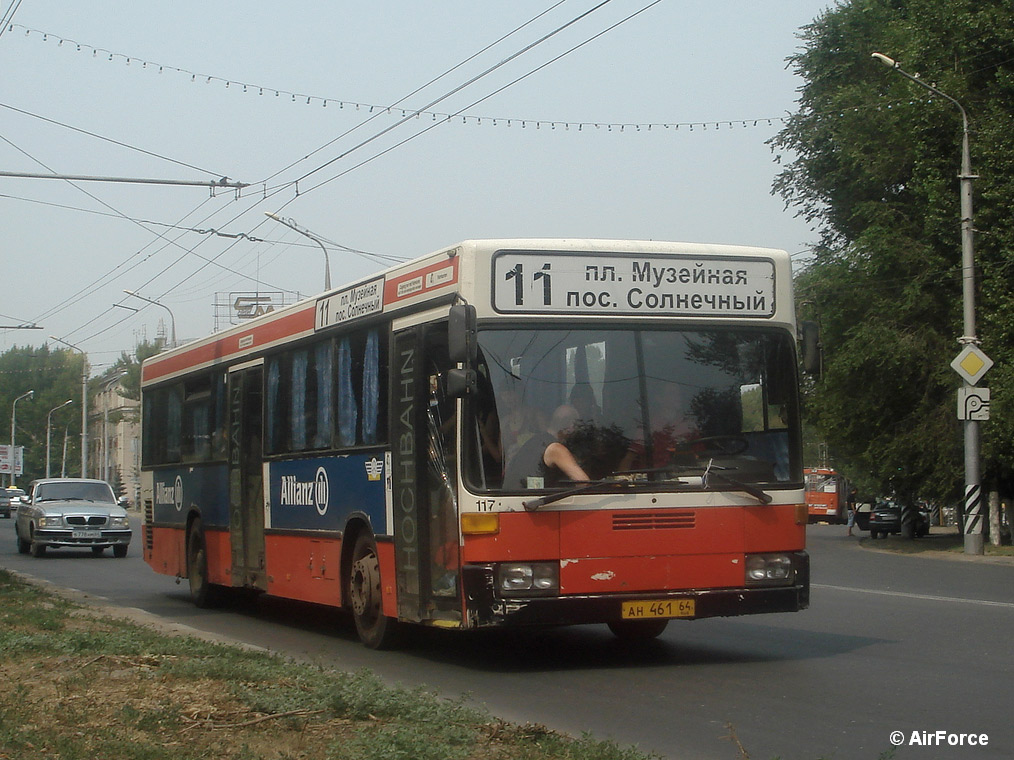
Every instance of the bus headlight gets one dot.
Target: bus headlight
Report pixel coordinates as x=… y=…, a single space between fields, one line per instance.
x=528 y=578
x=769 y=570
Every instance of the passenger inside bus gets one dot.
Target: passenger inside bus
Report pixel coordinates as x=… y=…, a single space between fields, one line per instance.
x=544 y=460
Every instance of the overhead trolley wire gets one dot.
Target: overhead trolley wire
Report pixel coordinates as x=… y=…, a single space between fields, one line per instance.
x=456 y=90
x=480 y=100
x=384 y=109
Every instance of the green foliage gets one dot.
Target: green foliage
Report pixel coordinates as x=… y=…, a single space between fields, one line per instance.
x=130 y=364
x=874 y=167
x=55 y=376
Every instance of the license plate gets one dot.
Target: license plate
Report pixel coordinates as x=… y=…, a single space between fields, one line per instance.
x=86 y=534
x=650 y=608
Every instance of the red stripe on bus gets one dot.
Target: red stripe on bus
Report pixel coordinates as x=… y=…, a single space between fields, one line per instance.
x=415 y=283
x=229 y=346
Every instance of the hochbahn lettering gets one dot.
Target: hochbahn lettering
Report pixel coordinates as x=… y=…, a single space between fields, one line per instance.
x=707 y=286
x=406 y=528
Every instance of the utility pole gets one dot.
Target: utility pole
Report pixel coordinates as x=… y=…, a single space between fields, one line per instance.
x=971 y=363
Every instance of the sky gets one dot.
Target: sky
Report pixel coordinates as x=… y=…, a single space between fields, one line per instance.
x=628 y=119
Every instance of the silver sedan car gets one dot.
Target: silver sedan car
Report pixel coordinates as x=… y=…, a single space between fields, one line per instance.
x=71 y=512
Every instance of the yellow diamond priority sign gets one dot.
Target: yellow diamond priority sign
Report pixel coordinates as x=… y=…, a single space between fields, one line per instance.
x=971 y=364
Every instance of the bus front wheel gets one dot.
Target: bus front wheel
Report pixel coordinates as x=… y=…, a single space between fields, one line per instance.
x=638 y=630
x=376 y=630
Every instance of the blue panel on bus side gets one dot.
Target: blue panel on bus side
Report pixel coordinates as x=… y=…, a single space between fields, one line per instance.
x=322 y=493
x=204 y=486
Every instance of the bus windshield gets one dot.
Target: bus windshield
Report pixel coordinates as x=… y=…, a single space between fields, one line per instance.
x=647 y=405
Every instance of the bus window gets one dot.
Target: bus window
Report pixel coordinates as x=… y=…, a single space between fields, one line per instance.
x=332 y=393
x=162 y=417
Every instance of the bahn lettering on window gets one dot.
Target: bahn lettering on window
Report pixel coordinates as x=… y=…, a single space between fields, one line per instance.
x=624 y=284
x=350 y=304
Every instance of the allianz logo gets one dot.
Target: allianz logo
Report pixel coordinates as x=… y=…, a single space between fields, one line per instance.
x=293 y=492
x=305 y=493
x=170 y=495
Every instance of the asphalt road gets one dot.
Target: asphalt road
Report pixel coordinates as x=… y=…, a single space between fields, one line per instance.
x=890 y=644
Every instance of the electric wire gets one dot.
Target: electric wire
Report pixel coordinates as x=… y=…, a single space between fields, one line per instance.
x=485 y=97
x=106 y=278
x=202 y=267
x=110 y=140
x=5 y=21
x=416 y=91
x=455 y=90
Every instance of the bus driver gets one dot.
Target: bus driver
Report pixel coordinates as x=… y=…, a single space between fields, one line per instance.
x=544 y=460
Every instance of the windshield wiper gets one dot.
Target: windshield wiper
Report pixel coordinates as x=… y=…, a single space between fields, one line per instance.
x=588 y=487
x=758 y=494
x=608 y=484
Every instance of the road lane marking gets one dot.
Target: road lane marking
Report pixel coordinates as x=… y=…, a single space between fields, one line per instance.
x=927 y=597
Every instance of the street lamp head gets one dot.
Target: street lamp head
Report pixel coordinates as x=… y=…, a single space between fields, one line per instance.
x=887 y=61
x=273 y=216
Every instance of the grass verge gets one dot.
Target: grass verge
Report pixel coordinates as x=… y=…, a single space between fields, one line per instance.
x=80 y=685
x=949 y=541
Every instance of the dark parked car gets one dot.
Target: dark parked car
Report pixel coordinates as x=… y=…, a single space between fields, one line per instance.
x=885 y=518
x=71 y=512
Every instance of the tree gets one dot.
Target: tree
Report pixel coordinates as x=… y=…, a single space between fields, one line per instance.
x=875 y=170
x=55 y=376
x=130 y=364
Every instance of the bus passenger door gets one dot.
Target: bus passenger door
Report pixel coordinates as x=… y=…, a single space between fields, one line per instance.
x=246 y=479
x=424 y=437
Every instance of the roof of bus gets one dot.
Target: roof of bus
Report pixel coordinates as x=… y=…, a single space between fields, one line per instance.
x=297 y=320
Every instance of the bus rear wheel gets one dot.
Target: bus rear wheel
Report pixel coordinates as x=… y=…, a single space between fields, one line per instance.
x=375 y=630
x=204 y=593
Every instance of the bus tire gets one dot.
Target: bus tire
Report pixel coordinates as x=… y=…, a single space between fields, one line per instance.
x=375 y=629
x=204 y=594
x=638 y=630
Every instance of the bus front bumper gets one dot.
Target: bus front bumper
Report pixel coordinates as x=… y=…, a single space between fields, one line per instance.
x=485 y=608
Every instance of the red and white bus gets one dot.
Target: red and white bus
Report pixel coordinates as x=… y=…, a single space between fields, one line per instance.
x=372 y=448
x=826 y=495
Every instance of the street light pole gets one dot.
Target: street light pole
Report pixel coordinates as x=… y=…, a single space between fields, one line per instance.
x=306 y=233
x=172 y=317
x=49 y=429
x=84 y=403
x=974 y=542
x=14 y=412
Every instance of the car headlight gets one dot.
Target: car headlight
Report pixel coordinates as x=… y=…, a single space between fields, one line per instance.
x=769 y=570
x=528 y=578
x=119 y=522
x=51 y=522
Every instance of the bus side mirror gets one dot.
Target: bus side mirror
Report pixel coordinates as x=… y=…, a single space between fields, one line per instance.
x=811 y=348
x=461 y=343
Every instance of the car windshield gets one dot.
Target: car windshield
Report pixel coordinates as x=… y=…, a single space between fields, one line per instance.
x=71 y=491
x=650 y=403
